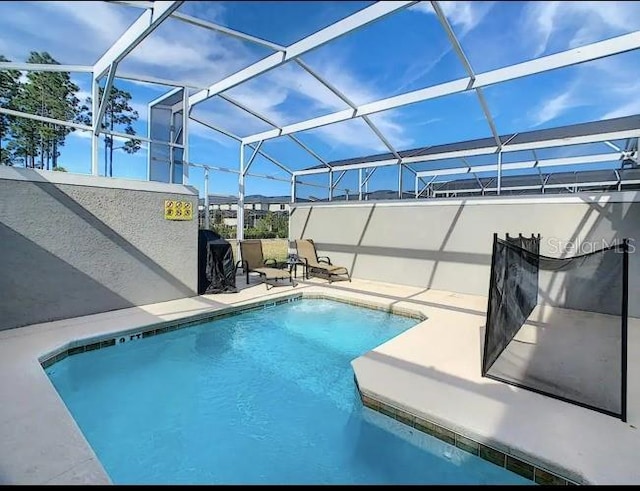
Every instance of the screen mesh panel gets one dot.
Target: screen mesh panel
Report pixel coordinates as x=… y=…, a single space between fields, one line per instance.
x=558 y=325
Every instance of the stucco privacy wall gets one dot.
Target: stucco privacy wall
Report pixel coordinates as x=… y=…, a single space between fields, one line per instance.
x=446 y=244
x=73 y=245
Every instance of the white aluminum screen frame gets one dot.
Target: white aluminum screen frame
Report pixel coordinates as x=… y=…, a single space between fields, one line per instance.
x=155 y=13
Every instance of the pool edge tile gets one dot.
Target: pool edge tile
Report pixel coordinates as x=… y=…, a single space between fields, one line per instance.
x=163 y=327
x=520 y=467
x=516 y=465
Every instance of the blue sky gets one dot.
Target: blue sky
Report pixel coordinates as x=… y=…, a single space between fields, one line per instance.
x=402 y=52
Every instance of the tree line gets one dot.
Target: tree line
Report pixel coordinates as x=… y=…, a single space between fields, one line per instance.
x=37 y=144
x=271 y=226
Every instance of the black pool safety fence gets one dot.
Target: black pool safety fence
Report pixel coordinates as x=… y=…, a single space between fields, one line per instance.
x=558 y=326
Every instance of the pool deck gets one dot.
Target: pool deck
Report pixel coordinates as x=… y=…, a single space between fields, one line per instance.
x=431 y=370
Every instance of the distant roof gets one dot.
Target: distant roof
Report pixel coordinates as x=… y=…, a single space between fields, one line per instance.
x=606 y=179
x=254 y=198
x=373 y=195
x=574 y=130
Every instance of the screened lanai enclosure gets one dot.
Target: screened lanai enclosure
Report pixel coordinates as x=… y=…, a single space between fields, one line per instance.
x=406 y=139
x=268 y=97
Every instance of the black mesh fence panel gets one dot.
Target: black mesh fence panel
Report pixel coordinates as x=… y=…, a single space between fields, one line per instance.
x=514 y=291
x=558 y=325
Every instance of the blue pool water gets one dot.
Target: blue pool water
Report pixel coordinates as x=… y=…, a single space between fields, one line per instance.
x=267 y=396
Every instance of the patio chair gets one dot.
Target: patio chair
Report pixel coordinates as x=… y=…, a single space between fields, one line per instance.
x=319 y=265
x=253 y=262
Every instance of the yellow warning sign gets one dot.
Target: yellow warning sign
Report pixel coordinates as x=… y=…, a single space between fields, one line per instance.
x=178 y=210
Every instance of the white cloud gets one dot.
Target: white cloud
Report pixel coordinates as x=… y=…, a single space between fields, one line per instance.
x=434 y=120
x=554 y=107
x=210 y=11
x=602 y=18
x=545 y=18
x=333 y=69
x=103 y=20
x=625 y=88
x=466 y=15
x=626 y=101
x=141 y=109
x=148 y=85
x=463 y=15
x=165 y=52
x=183 y=52
x=626 y=109
x=605 y=85
x=73 y=32
x=560 y=25
x=83 y=95
x=186 y=52
x=424 y=7
x=226 y=116
x=353 y=134
x=270 y=95
x=263 y=98
x=86 y=135
x=202 y=131
x=359 y=92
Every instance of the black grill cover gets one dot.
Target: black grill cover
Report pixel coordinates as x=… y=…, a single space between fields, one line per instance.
x=216 y=271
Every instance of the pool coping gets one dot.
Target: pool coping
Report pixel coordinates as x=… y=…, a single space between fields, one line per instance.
x=90 y=343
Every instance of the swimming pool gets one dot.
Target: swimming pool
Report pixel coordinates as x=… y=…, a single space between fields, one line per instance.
x=266 y=396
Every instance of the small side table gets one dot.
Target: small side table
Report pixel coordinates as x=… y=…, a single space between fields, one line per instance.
x=293 y=260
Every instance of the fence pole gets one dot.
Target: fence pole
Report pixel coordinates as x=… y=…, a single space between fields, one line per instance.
x=484 y=369
x=625 y=313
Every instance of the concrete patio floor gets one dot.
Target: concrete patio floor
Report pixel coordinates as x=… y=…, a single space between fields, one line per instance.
x=433 y=370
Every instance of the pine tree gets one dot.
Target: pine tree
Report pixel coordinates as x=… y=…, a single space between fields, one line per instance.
x=24 y=132
x=48 y=94
x=118 y=116
x=9 y=87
